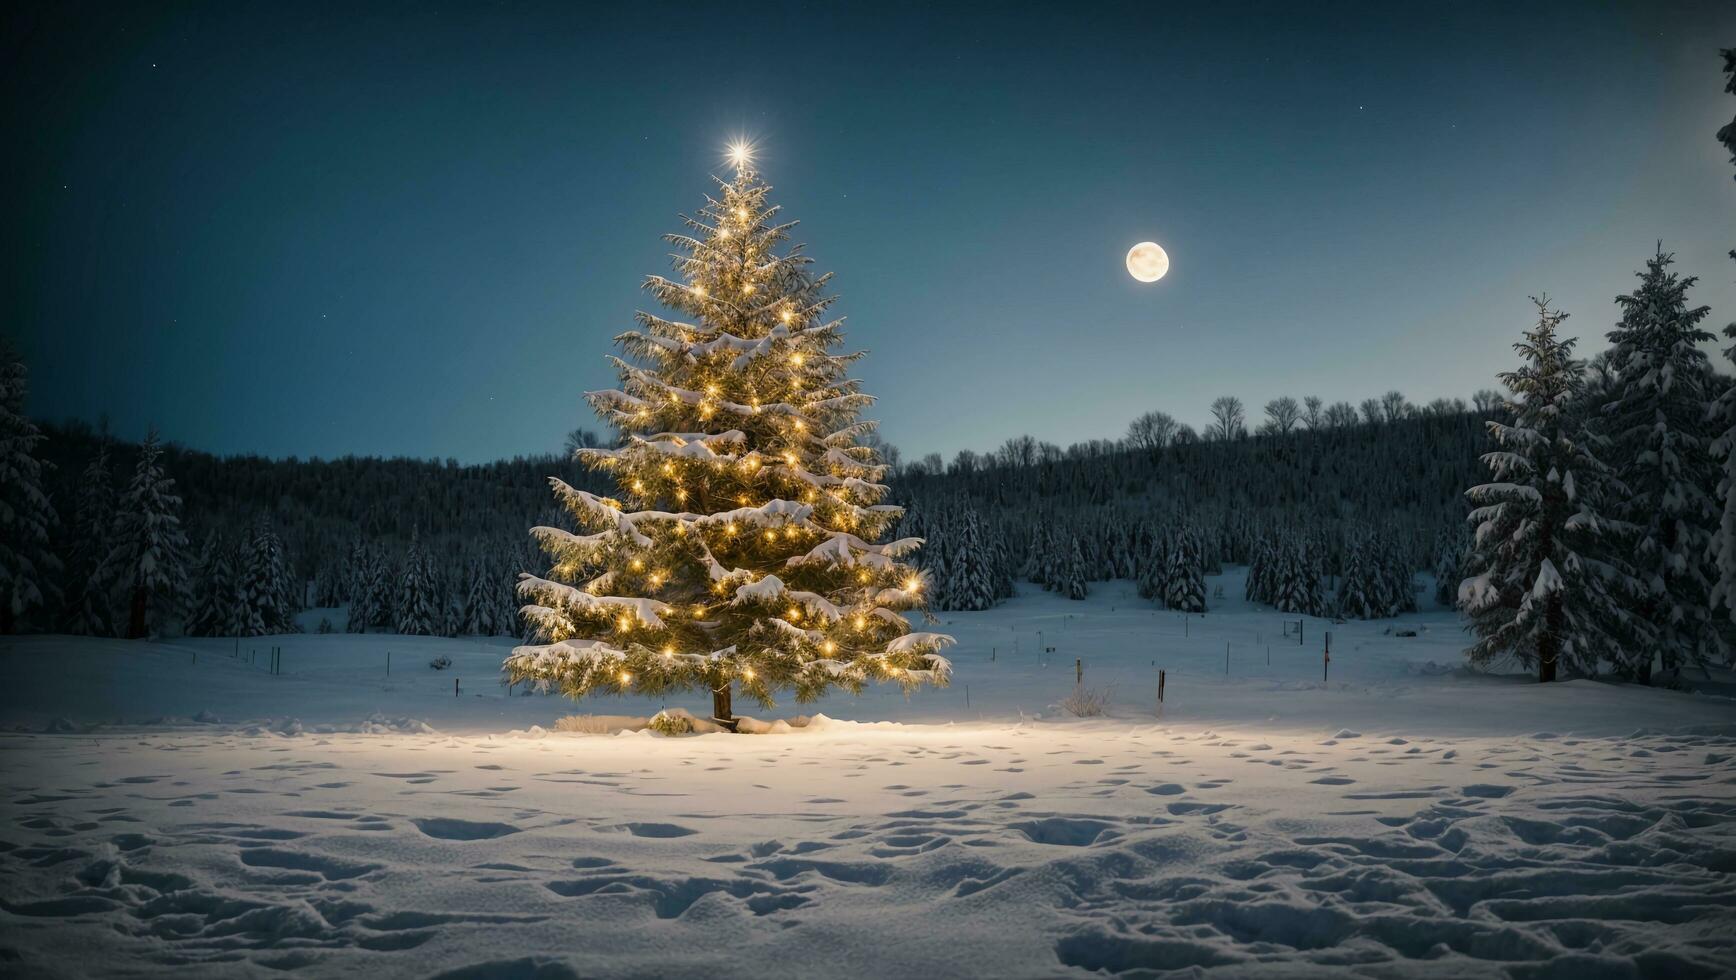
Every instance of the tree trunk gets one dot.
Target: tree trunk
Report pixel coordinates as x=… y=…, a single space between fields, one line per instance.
x=136 y=615
x=1549 y=647
x=720 y=709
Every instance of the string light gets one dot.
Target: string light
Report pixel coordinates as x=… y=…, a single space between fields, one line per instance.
x=626 y=678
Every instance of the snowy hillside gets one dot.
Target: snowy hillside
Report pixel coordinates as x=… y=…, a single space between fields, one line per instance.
x=178 y=808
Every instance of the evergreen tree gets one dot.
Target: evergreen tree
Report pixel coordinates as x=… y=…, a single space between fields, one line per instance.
x=213 y=589
x=1185 y=582
x=744 y=551
x=27 y=566
x=1659 y=423
x=148 y=563
x=266 y=592
x=1070 y=575
x=1723 y=550
x=417 y=605
x=1535 y=590
x=1359 y=589
x=90 y=592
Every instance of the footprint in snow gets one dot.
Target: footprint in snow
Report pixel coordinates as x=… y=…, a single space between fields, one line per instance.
x=451 y=828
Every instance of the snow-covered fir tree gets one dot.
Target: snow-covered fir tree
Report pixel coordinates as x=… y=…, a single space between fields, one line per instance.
x=1450 y=547
x=148 y=562
x=89 y=590
x=1184 y=585
x=1153 y=573
x=27 y=566
x=743 y=549
x=417 y=605
x=1070 y=574
x=480 y=613
x=1536 y=589
x=1723 y=549
x=212 y=591
x=1659 y=422
x=267 y=595
x=1359 y=588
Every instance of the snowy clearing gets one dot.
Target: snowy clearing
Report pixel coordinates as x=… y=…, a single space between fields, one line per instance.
x=1406 y=817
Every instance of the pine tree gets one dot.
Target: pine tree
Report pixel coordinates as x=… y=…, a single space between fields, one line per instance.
x=213 y=589
x=265 y=592
x=90 y=593
x=1663 y=439
x=1536 y=591
x=417 y=604
x=1185 y=583
x=27 y=566
x=1070 y=575
x=478 y=617
x=744 y=549
x=1359 y=591
x=1723 y=549
x=148 y=563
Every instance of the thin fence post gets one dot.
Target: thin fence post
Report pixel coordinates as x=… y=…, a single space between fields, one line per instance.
x=454 y=687
x=1226 y=659
x=1160 y=680
x=1326 y=659
x=1078 y=671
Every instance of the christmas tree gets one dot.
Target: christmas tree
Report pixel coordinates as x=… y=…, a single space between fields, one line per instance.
x=743 y=548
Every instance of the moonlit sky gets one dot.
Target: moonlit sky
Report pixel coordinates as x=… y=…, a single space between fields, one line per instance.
x=305 y=229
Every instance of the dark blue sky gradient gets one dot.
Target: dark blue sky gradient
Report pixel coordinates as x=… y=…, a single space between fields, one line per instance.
x=300 y=229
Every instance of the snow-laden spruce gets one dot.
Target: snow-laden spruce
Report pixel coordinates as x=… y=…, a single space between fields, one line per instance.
x=27 y=565
x=148 y=563
x=1663 y=439
x=1536 y=590
x=744 y=547
x=1723 y=547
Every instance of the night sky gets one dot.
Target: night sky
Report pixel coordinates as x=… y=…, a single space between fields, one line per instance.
x=299 y=229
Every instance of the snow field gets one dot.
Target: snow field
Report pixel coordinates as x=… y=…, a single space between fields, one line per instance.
x=176 y=809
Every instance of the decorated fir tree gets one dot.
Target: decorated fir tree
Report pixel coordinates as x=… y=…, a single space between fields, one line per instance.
x=743 y=549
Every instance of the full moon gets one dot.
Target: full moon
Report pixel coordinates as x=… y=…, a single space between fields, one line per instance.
x=1147 y=262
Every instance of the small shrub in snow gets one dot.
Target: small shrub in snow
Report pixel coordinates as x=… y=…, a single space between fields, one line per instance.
x=1086 y=702
x=664 y=723
x=325 y=626
x=440 y=663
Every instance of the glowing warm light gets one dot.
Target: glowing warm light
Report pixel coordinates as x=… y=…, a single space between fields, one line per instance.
x=912 y=584
x=626 y=678
x=638 y=565
x=828 y=646
x=698 y=290
x=785 y=316
x=1147 y=262
x=740 y=152
x=747 y=673
x=796 y=359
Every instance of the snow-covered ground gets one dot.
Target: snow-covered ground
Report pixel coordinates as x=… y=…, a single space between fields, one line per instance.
x=175 y=807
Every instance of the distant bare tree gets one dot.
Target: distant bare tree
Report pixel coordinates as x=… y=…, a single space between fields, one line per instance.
x=1282 y=414
x=1487 y=400
x=1313 y=411
x=1371 y=410
x=1393 y=406
x=1151 y=431
x=967 y=461
x=1019 y=451
x=1340 y=415
x=1048 y=452
x=1184 y=436
x=583 y=439
x=1228 y=419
